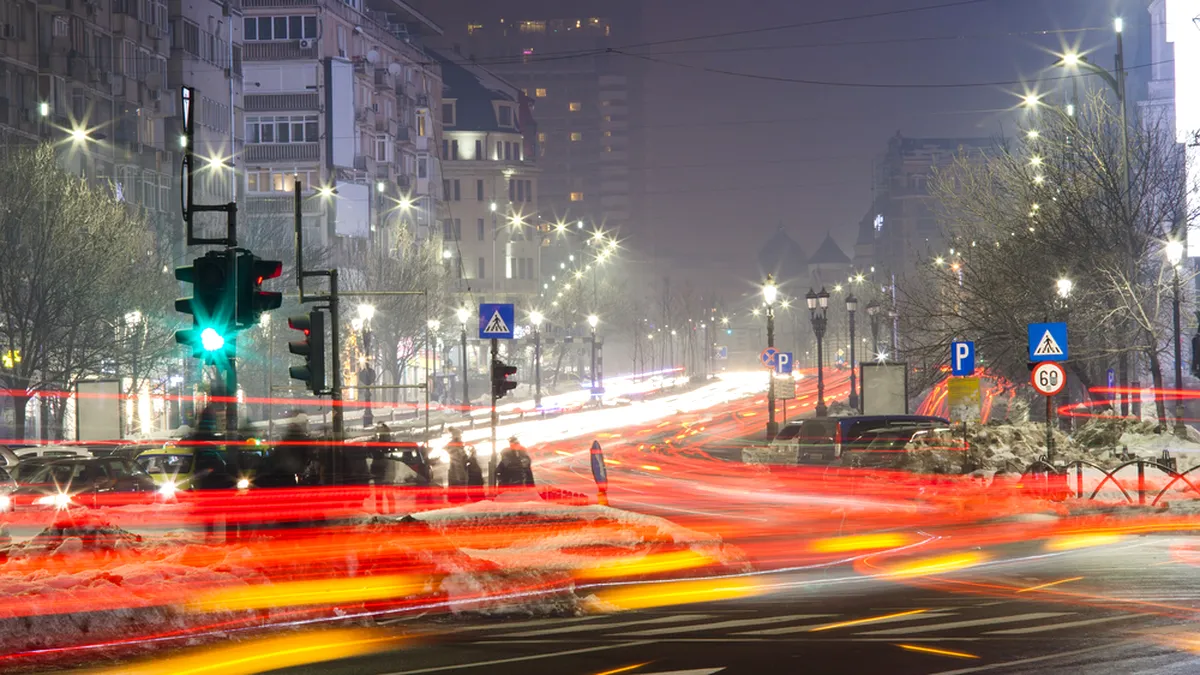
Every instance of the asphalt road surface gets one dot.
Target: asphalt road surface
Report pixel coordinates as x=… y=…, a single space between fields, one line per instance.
x=1126 y=607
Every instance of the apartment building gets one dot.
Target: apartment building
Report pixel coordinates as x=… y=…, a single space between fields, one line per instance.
x=492 y=231
x=339 y=94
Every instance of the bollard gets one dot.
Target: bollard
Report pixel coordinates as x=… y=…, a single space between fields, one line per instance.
x=600 y=473
x=1079 y=481
x=1141 y=465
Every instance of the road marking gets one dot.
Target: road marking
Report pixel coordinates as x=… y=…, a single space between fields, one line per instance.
x=524 y=624
x=894 y=618
x=518 y=659
x=1034 y=659
x=1049 y=584
x=606 y=626
x=1060 y=626
x=1013 y=618
x=871 y=619
x=721 y=624
x=939 y=652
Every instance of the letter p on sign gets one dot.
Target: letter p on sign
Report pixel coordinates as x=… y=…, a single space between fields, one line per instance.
x=962 y=359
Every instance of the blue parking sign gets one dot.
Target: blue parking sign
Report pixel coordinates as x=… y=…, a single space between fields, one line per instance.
x=783 y=363
x=962 y=359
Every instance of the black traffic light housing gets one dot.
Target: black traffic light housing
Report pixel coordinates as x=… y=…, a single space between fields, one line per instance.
x=211 y=304
x=312 y=348
x=501 y=385
x=252 y=300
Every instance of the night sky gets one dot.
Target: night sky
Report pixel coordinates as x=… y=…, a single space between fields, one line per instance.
x=729 y=158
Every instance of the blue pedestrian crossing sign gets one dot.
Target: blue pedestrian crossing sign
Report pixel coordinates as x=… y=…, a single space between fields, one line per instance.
x=1047 y=342
x=496 y=320
x=783 y=363
x=962 y=359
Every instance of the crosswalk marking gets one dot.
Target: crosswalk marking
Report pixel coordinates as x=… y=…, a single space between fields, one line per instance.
x=680 y=618
x=930 y=628
x=1058 y=626
x=737 y=623
x=808 y=627
x=524 y=624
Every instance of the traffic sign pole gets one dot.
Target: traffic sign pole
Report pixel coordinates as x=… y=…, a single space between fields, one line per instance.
x=1048 y=378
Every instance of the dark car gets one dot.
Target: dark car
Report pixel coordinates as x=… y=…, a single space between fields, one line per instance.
x=821 y=440
x=63 y=483
x=897 y=447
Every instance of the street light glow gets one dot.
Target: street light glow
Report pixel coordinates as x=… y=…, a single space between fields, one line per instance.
x=1064 y=287
x=44 y=109
x=593 y=320
x=1032 y=134
x=1071 y=59
x=380 y=186
x=1119 y=24
x=770 y=291
x=492 y=207
x=79 y=134
x=1031 y=100
x=1035 y=160
x=1174 y=252
x=535 y=318
x=447 y=254
x=463 y=314
x=434 y=324
x=366 y=312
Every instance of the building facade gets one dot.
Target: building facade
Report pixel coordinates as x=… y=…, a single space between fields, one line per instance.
x=492 y=231
x=340 y=96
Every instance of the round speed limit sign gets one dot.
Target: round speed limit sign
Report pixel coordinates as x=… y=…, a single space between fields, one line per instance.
x=1048 y=378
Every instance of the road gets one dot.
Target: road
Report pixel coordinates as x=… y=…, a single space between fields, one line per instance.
x=1122 y=608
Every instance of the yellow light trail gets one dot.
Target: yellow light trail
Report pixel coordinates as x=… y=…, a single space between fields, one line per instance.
x=859 y=622
x=861 y=542
x=1048 y=585
x=939 y=652
x=316 y=592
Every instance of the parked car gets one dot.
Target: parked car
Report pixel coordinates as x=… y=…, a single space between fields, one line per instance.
x=64 y=483
x=895 y=448
x=821 y=440
x=52 y=451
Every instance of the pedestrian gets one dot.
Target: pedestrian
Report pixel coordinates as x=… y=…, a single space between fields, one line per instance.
x=456 y=474
x=379 y=466
x=474 y=476
x=515 y=468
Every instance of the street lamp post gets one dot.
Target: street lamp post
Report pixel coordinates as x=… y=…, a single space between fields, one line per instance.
x=818 y=303
x=434 y=325
x=464 y=314
x=1175 y=256
x=133 y=321
x=770 y=294
x=495 y=234
x=873 y=313
x=366 y=374
x=535 y=318
x=593 y=321
x=851 y=307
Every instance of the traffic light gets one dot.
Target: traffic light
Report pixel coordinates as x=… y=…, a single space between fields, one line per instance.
x=312 y=348
x=501 y=385
x=252 y=300
x=211 y=305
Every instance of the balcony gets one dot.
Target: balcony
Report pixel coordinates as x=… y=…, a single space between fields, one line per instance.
x=257 y=205
x=383 y=79
x=282 y=152
x=273 y=4
x=287 y=102
x=277 y=51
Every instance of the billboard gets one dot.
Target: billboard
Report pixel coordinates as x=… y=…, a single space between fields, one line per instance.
x=884 y=388
x=98 y=410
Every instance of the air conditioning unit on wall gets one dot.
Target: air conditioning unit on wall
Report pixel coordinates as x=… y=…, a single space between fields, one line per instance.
x=307 y=44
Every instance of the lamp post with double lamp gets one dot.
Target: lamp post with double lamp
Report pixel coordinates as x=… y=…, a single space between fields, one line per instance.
x=593 y=321
x=770 y=293
x=463 y=314
x=1174 y=252
x=535 y=318
x=434 y=326
x=851 y=307
x=818 y=304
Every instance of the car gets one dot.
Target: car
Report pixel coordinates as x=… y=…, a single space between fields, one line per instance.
x=7 y=485
x=821 y=440
x=52 y=451
x=63 y=483
x=896 y=447
x=176 y=468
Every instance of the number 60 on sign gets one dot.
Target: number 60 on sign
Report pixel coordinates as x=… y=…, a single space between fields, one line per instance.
x=1048 y=378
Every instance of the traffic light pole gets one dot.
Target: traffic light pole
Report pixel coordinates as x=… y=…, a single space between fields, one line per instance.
x=335 y=391
x=493 y=420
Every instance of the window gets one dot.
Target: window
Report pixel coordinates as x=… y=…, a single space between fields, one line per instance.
x=481 y=268
x=281 y=181
x=542 y=137
x=479 y=191
x=453 y=149
x=540 y=92
x=532 y=27
x=506 y=116
x=574 y=106
x=452 y=229
x=520 y=190
x=421 y=123
x=445 y=148
x=422 y=167
x=341 y=40
x=608 y=118
x=576 y=196
x=479 y=228
x=448 y=113
x=261 y=28
x=499 y=153
x=457 y=193
x=608 y=148
x=576 y=136
x=381 y=148
x=282 y=129
x=445 y=188
x=478 y=151
x=507 y=151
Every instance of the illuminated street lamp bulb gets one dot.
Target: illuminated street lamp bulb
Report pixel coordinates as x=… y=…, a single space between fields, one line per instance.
x=1032 y=134
x=535 y=318
x=1036 y=160
x=593 y=320
x=1119 y=24
x=405 y=203
x=1064 y=287
x=447 y=254
x=434 y=324
x=44 y=109
x=1039 y=179
x=1031 y=100
x=770 y=291
x=79 y=134
x=1071 y=59
x=380 y=186
x=1174 y=252
x=366 y=312
x=492 y=207
x=463 y=314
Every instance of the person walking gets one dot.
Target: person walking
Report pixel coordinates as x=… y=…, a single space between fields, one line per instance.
x=515 y=468
x=456 y=474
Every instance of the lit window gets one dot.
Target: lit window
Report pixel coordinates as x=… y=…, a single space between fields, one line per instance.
x=472 y=27
x=576 y=136
x=575 y=106
x=540 y=92
x=608 y=148
x=608 y=118
x=608 y=134
x=542 y=137
x=576 y=196
x=533 y=27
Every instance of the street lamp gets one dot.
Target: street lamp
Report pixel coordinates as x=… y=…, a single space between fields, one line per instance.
x=1064 y=287
x=535 y=318
x=818 y=304
x=463 y=314
x=873 y=312
x=770 y=294
x=1174 y=252
x=434 y=325
x=133 y=321
x=593 y=321
x=851 y=307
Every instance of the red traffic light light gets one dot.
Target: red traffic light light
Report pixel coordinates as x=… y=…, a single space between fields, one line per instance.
x=253 y=302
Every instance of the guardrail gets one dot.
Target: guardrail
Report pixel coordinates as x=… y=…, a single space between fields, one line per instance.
x=1165 y=465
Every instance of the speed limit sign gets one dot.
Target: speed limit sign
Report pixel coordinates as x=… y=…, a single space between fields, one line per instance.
x=1048 y=378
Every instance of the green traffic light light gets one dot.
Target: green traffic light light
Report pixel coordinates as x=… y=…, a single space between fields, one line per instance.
x=211 y=340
